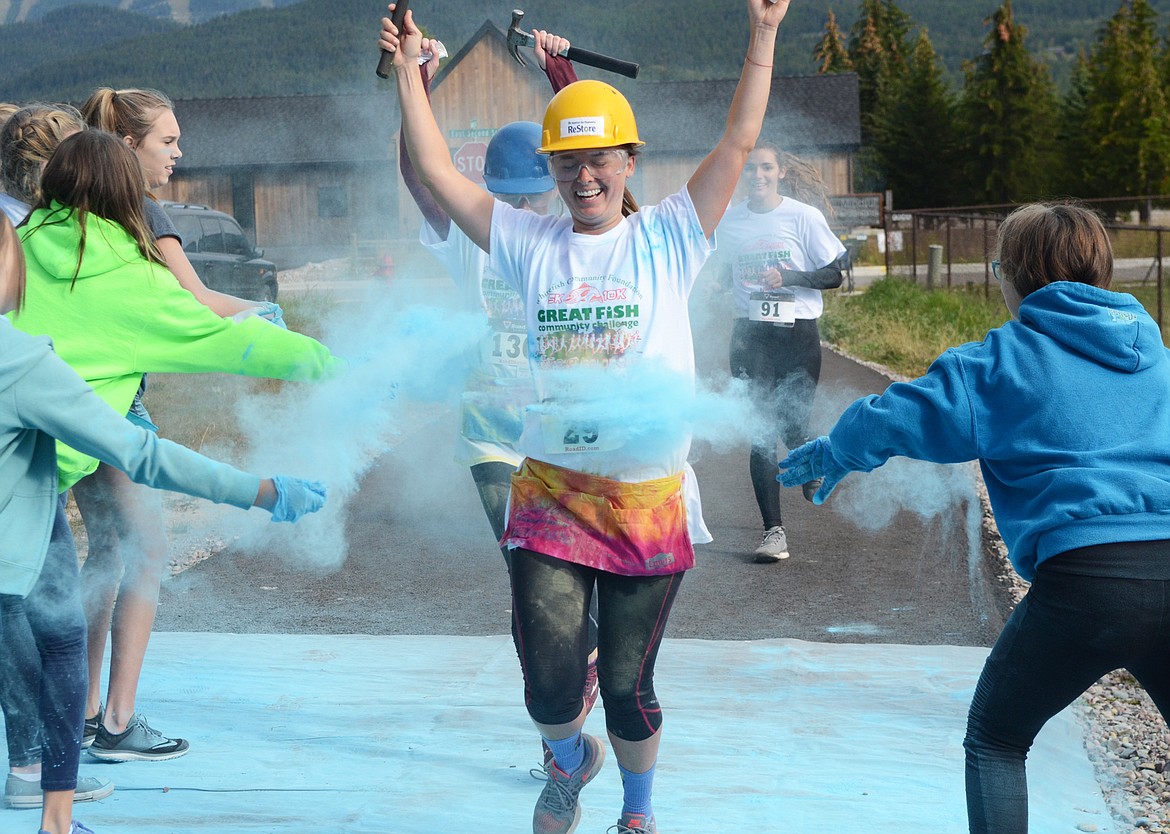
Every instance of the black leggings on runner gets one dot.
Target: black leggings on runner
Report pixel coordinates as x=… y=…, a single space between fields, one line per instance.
x=550 y=601
x=493 y=480
x=783 y=365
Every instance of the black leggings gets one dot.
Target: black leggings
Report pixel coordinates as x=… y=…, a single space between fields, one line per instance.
x=550 y=604
x=783 y=365
x=493 y=480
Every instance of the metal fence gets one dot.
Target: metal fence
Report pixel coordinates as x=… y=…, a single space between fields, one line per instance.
x=954 y=247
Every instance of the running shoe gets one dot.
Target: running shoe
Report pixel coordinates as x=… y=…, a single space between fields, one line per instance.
x=592 y=690
x=634 y=824
x=75 y=828
x=809 y=488
x=139 y=743
x=91 y=727
x=774 y=547
x=558 y=810
x=19 y=793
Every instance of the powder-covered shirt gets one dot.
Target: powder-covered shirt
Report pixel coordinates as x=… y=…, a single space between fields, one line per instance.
x=609 y=339
x=794 y=235
x=491 y=409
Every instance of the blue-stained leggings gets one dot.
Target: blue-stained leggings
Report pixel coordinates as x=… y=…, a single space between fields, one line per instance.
x=1064 y=635
x=550 y=608
x=43 y=666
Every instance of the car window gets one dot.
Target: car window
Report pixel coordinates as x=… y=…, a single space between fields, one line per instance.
x=234 y=241
x=212 y=235
x=189 y=230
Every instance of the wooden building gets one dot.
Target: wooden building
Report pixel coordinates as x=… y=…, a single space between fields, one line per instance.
x=308 y=175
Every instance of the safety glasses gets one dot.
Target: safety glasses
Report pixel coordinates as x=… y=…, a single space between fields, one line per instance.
x=608 y=162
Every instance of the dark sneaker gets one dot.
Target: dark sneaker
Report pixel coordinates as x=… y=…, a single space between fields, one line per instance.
x=774 y=547
x=558 y=810
x=91 y=727
x=140 y=743
x=592 y=690
x=634 y=824
x=21 y=794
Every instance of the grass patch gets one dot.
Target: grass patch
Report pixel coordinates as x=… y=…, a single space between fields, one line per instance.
x=903 y=326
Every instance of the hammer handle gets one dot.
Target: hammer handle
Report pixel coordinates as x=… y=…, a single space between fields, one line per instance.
x=596 y=59
x=386 y=60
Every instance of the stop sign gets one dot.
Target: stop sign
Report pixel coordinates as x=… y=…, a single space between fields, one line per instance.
x=469 y=160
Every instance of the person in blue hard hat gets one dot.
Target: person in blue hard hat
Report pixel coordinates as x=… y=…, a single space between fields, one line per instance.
x=491 y=408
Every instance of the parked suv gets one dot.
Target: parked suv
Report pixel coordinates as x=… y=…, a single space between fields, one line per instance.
x=221 y=253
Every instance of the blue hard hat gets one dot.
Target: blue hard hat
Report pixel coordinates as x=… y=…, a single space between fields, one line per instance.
x=512 y=165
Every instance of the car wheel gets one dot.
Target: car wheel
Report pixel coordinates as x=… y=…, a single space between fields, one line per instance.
x=269 y=292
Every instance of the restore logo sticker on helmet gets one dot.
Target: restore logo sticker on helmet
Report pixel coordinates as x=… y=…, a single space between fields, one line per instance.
x=588 y=114
x=512 y=164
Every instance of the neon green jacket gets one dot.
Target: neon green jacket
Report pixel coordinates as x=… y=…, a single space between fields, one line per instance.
x=124 y=316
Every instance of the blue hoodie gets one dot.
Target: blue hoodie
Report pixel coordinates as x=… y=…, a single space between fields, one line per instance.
x=1067 y=410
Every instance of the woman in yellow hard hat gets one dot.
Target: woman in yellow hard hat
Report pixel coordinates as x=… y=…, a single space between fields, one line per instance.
x=604 y=501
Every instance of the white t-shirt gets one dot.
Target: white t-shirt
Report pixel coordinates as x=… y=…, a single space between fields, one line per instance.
x=492 y=406
x=609 y=339
x=794 y=235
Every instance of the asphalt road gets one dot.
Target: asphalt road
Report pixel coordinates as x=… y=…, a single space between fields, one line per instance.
x=421 y=558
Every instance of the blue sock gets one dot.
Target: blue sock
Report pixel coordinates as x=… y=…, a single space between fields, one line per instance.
x=568 y=753
x=636 y=791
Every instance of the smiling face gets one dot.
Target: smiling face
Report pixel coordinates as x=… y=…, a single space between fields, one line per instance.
x=595 y=192
x=159 y=149
x=761 y=178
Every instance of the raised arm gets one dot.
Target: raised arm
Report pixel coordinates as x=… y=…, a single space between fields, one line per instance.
x=432 y=212
x=712 y=185
x=559 y=69
x=464 y=201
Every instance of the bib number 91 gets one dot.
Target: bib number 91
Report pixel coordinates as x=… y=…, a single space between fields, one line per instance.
x=774 y=306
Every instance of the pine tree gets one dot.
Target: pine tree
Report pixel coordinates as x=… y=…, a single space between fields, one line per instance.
x=830 y=52
x=1008 y=109
x=914 y=134
x=878 y=49
x=1125 y=118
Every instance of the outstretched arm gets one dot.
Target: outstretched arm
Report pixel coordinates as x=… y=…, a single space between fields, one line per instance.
x=432 y=212
x=468 y=205
x=712 y=185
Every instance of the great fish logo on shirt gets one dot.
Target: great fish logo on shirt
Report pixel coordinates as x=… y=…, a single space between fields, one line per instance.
x=754 y=258
x=583 y=319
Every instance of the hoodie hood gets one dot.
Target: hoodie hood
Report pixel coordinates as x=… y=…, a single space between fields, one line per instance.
x=1111 y=329
x=52 y=237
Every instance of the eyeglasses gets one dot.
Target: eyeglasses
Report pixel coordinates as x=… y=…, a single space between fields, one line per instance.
x=995 y=271
x=601 y=163
x=536 y=202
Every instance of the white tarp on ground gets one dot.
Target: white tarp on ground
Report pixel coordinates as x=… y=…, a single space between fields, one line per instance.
x=418 y=735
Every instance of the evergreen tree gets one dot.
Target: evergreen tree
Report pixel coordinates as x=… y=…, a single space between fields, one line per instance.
x=1008 y=109
x=1125 y=111
x=878 y=50
x=1076 y=149
x=830 y=52
x=914 y=136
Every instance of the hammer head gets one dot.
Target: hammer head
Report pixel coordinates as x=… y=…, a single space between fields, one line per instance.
x=517 y=37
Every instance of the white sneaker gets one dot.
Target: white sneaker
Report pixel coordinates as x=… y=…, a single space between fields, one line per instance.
x=774 y=547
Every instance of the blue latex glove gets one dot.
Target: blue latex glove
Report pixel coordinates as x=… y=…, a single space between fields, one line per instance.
x=296 y=497
x=271 y=310
x=811 y=461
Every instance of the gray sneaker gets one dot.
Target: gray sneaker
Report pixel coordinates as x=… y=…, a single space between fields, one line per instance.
x=19 y=793
x=91 y=725
x=774 y=547
x=634 y=824
x=139 y=743
x=557 y=810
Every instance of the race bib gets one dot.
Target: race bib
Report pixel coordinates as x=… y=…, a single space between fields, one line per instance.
x=775 y=306
x=562 y=436
x=503 y=348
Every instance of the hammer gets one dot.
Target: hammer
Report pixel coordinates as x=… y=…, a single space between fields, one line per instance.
x=517 y=38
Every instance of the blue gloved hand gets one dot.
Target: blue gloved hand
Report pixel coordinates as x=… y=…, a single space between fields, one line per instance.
x=811 y=461
x=271 y=310
x=296 y=497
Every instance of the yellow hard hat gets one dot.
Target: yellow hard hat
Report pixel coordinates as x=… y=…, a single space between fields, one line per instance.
x=588 y=114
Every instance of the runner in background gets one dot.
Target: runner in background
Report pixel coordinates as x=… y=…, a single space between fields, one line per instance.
x=491 y=409
x=777 y=252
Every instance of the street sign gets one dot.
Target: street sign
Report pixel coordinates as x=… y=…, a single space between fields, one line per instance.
x=469 y=160
x=856 y=210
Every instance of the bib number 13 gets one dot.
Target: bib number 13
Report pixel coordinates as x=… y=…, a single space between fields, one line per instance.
x=507 y=349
